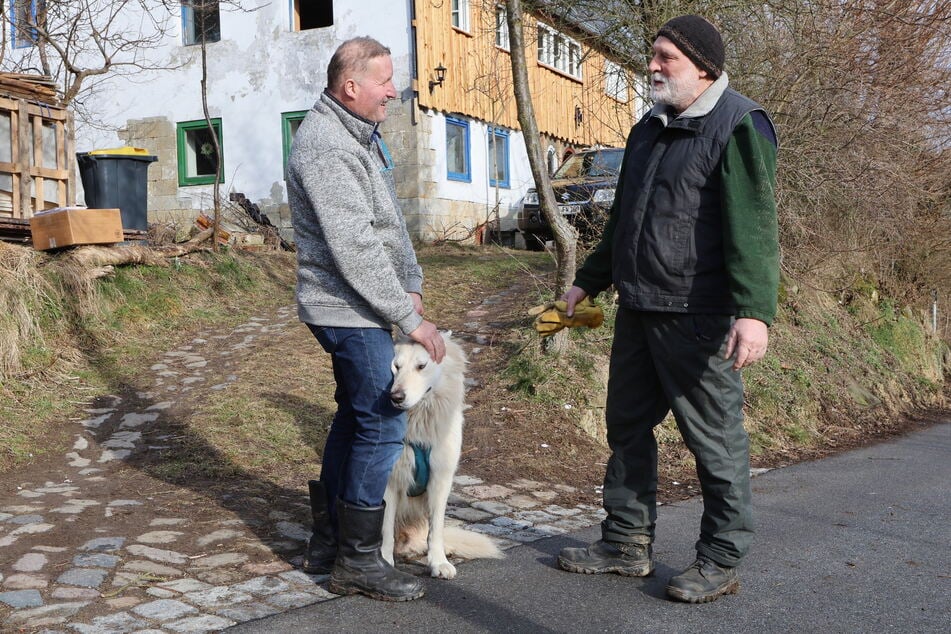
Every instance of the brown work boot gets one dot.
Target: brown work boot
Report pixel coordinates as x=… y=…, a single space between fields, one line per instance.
x=630 y=560
x=704 y=581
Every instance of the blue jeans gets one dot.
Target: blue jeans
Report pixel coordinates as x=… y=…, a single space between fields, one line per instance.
x=366 y=436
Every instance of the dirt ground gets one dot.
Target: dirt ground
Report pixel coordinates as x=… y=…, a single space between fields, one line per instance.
x=506 y=438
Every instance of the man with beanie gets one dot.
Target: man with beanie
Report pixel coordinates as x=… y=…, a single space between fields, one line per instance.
x=357 y=275
x=692 y=250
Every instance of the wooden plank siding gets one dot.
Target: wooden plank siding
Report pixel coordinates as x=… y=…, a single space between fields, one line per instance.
x=478 y=80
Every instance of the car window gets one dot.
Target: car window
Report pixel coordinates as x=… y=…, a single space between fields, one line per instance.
x=606 y=164
x=591 y=164
x=571 y=168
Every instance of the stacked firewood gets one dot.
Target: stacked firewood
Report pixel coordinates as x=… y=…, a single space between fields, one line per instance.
x=31 y=87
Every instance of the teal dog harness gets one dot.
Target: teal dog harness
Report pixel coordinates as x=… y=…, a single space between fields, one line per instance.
x=420 y=471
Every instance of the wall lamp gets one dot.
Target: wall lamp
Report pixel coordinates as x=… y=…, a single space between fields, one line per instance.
x=440 y=77
x=579 y=116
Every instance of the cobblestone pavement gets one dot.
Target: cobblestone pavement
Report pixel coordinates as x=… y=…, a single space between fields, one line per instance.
x=177 y=574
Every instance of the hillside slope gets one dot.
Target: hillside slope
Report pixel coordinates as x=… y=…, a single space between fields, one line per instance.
x=838 y=374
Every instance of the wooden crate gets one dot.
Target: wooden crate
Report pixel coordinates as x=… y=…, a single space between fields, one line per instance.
x=37 y=157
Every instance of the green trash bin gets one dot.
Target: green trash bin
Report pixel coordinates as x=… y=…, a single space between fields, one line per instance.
x=117 y=178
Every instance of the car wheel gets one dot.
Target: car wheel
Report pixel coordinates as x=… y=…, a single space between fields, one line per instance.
x=533 y=242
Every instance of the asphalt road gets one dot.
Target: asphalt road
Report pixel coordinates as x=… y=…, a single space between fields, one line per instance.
x=860 y=542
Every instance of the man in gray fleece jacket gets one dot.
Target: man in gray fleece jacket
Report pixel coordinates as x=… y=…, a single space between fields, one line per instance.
x=357 y=276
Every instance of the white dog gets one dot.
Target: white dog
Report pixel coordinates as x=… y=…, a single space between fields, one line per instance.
x=433 y=395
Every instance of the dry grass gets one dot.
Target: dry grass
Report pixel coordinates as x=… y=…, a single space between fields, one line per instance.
x=834 y=376
x=23 y=290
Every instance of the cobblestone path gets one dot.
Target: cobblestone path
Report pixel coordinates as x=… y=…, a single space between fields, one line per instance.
x=159 y=572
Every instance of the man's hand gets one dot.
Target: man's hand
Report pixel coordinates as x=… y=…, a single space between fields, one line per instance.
x=572 y=297
x=417 y=303
x=427 y=334
x=748 y=339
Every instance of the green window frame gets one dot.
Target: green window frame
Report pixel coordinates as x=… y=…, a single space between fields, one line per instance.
x=290 y=121
x=193 y=162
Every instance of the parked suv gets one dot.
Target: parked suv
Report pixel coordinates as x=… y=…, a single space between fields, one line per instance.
x=584 y=190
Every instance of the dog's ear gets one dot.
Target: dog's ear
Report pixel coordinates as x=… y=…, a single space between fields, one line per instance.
x=446 y=334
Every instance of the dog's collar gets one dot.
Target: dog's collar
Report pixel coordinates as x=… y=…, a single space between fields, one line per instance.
x=421 y=471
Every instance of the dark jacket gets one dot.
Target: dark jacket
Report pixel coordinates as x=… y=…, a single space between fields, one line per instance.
x=693 y=228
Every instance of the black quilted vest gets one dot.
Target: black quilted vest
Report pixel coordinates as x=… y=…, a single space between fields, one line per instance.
x=668 y=243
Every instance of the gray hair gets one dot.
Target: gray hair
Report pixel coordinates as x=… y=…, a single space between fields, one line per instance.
x=351 y=58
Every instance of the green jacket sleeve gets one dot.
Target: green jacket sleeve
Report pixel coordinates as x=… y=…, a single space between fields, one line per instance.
x=750 y=227
x=595 y=274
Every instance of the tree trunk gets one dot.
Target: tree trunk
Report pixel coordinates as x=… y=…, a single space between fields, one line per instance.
x=94 y=257
x=565 y=234
x=215 y=192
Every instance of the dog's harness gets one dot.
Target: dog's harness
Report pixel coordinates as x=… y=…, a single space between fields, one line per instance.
x=421 y=471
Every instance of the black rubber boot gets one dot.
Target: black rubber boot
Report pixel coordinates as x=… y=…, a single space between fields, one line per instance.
x=703 y=581
x=360 y=568
x=322 y=547
x=630 y=560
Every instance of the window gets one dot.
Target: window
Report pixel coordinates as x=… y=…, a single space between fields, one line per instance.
x=197 y=163
x=498 y=157
x=615 y=81
x=559 y=51
x=552 y=160
x=24 y=21
x=501 y=28
x=312 y=14
x=460 y=14
x=200 y=21
x=290 y=121
x=457 y=150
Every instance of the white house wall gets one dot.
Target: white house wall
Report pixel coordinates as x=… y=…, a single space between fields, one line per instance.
x=258 y=70
x=477 y=194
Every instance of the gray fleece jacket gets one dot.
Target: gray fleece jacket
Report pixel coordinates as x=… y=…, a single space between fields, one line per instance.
x=355 y=261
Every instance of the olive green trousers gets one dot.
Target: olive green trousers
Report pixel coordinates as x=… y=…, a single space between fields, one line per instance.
x=668 y=362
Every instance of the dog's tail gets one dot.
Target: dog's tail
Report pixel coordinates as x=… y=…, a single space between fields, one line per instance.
x=470 y=545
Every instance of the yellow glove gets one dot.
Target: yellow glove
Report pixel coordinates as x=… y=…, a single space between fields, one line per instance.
x=551 y=317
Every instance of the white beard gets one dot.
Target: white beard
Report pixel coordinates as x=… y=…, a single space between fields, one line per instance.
x=672 y=92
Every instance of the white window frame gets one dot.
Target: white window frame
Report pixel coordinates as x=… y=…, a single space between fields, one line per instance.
x=558 y=51
x=460 y=14
x=501 y=27
x=616 y=82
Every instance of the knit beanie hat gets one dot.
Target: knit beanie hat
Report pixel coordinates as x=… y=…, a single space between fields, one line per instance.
x=697 y=39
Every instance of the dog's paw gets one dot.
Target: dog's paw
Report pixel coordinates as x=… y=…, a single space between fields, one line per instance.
x=444 y=570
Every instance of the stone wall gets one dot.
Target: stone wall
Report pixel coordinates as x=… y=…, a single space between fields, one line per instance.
x=157 y=135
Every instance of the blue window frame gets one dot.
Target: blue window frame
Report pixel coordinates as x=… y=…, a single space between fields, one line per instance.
x=22 y=15
x=498 y=157
x=458 y=165
x=200 y=20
